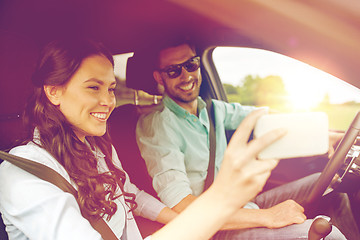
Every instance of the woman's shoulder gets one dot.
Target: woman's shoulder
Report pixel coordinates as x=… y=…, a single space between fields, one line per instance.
x=35 y=153
x=30 y=149
x=24 y=193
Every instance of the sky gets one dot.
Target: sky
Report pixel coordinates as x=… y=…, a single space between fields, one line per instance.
x=305 y=84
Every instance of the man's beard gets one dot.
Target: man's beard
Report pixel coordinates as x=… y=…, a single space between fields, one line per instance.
x=184 y=97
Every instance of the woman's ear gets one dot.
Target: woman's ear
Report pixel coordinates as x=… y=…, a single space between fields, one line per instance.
x=53 y=93
x=158 y=78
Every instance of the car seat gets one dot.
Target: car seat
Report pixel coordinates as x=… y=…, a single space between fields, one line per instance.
x=15 y=85
x=15 y=88
x=122 y=127
x=123 y=120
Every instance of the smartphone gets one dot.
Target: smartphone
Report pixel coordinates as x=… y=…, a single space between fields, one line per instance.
x=307 y=134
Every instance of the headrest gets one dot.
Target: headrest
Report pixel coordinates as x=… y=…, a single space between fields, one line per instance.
x=139 y=73
x=140 y=67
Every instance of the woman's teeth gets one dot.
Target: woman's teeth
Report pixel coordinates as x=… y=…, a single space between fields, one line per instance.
x=101 y=116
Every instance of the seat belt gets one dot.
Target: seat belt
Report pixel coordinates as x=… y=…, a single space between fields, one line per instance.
x=47 y=174
x=212 y=144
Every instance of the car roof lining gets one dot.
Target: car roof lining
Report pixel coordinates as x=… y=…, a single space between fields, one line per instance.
x=126 y=26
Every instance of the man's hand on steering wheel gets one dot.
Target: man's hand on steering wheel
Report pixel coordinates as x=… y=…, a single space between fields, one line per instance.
x=334 y=139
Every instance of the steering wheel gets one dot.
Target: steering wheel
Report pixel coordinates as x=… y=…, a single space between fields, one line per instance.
x=337 y=160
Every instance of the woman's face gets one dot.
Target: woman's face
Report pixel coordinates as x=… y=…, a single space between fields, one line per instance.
x=88 y=99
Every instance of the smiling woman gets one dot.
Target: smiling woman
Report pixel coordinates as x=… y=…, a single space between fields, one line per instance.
x=66 y=120
x=87 y=99
x=66 y=123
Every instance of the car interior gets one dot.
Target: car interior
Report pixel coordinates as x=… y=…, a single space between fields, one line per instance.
x=324 y=34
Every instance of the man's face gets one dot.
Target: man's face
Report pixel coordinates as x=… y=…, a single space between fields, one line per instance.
x=185 y=87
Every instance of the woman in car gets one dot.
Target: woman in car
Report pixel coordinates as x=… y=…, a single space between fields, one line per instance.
x=66 y=119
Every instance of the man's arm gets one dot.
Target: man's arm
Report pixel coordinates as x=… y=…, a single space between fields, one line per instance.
x=159 y=144
x=166 y=215
x=236 y=183
x=184 y=203
x=283 y=214
x=280 y=215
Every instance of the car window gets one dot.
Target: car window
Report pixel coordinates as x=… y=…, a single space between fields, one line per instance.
x=264 y=78
x=125 y=95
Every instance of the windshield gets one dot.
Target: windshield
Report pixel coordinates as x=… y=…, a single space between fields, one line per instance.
x=264 y=78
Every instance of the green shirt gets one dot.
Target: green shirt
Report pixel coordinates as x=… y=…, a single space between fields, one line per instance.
x=175 y=145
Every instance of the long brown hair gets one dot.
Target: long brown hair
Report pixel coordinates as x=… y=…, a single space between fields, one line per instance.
x=58 y=61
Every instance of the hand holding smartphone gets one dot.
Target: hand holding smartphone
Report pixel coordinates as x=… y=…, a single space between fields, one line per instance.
x=307 y=134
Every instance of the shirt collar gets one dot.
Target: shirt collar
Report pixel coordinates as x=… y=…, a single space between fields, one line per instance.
x=36 y=136
x=179 y=111
x=95 y=150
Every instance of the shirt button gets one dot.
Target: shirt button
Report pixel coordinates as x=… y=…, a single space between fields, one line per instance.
x=195 y=120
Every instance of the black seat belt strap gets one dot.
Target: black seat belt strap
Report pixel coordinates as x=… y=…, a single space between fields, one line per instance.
x=212 y=145
x=47 y=174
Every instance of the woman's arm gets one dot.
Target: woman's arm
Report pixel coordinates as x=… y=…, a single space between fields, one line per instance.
x=240 y=178
x=166 y=215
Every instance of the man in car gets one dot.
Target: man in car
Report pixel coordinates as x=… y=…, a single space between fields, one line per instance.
x=173 y=140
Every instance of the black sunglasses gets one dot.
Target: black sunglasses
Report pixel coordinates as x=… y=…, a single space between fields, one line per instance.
x=191 y=65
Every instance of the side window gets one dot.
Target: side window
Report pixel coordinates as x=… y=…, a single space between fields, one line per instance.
x=125 y=95
x=264 y=78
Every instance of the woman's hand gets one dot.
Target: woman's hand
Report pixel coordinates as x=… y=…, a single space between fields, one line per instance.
x=242 y=176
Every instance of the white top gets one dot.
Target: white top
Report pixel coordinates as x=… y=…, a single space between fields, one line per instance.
x=36 y=209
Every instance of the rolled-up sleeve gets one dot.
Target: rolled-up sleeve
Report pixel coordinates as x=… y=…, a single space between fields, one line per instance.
x=233 y=113
x=160 y=148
